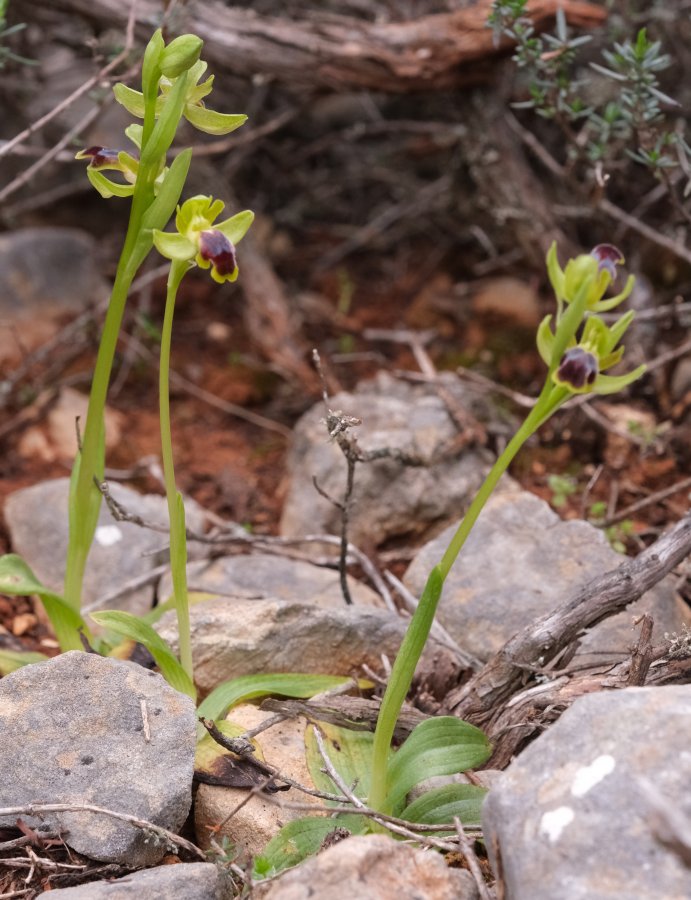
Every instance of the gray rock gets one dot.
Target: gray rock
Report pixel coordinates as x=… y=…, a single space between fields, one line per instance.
x=261 y=576
x=232 y=637
x=187 y=881
x=47 y=270
x=37 y=521
x=389 y=498
x=570 y=816
x=372 y=867
x=87 y=730
x=520 y=562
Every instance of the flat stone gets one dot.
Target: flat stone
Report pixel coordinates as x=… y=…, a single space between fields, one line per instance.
x=520 y=562
x=47 y=270
x=232 y=637
x=250 y=826
x=570 y=816
x=389 y=499
x=82 y=729
x=186 y=881
x=263 y=575
x=37 y=520
x=371 y=867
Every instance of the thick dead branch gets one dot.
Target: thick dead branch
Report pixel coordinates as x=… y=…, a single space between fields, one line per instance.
x=341 y=52
x=483 y=698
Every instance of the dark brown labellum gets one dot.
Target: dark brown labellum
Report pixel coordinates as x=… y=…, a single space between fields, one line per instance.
x=215 y=247
x=578 y=368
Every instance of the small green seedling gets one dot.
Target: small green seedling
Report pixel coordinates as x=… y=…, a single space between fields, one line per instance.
x=562 y=487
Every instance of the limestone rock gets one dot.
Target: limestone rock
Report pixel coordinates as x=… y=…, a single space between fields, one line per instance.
x=263 y=575
x=37 y=521
x=188 y=881
x=389 y=498
x=372 y=867
x=232 y=637
x=570 y=817
x=520 y=562
x=252 y=826
x=82 y=729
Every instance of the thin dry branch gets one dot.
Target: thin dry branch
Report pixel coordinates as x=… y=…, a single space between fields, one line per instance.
x=487 y=693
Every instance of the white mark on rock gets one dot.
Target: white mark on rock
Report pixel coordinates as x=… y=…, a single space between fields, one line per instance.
x=588 y=776
x=553 y=823
x=107 y=535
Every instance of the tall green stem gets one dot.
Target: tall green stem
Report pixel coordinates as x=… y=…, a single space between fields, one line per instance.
x=176 y=509
x=419 y=628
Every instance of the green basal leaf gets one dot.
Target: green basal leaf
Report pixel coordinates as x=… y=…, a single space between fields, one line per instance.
x=173 y=245
x=351 y=755
x=133 y=101
x=440 y=805
x=249 y=687
x=11 y=660
x=211 y=122
x=17 y=579
x=302 y=838
x=237 y=226
x=132 y=627
x=439 y=746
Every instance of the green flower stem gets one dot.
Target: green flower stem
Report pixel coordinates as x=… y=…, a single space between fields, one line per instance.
x=176 y=509
x=90 y=467
x=550 y=399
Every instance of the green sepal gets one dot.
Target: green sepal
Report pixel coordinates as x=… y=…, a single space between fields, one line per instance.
x=605 y=305
x=611 y=384
x=132 y=100
x=211 y=122
x=545 y=340
x=616 y=332
x=237 y=226
x=106 y=187
x=555 y=272
x=173 y=245
x=133 y=627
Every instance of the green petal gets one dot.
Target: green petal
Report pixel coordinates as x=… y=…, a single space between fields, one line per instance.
x=173 y=245
x=196 y=94
x=211 y=122
x=545 y=340
x=611 y=384
x=237 y=226
x=133 y=101
x=108 y=188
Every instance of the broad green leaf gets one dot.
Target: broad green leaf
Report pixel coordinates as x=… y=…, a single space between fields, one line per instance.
x=132 y=627
x=302 y=838
x=439 y=746
x=15 y=659
x=17 y=579
x=440 y=805
x=249 y=687
x=351 y=755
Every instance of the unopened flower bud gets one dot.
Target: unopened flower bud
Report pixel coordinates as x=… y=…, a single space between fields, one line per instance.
x=180 y=55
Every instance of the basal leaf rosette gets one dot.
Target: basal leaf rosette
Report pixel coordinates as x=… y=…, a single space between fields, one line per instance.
x=201 y=240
